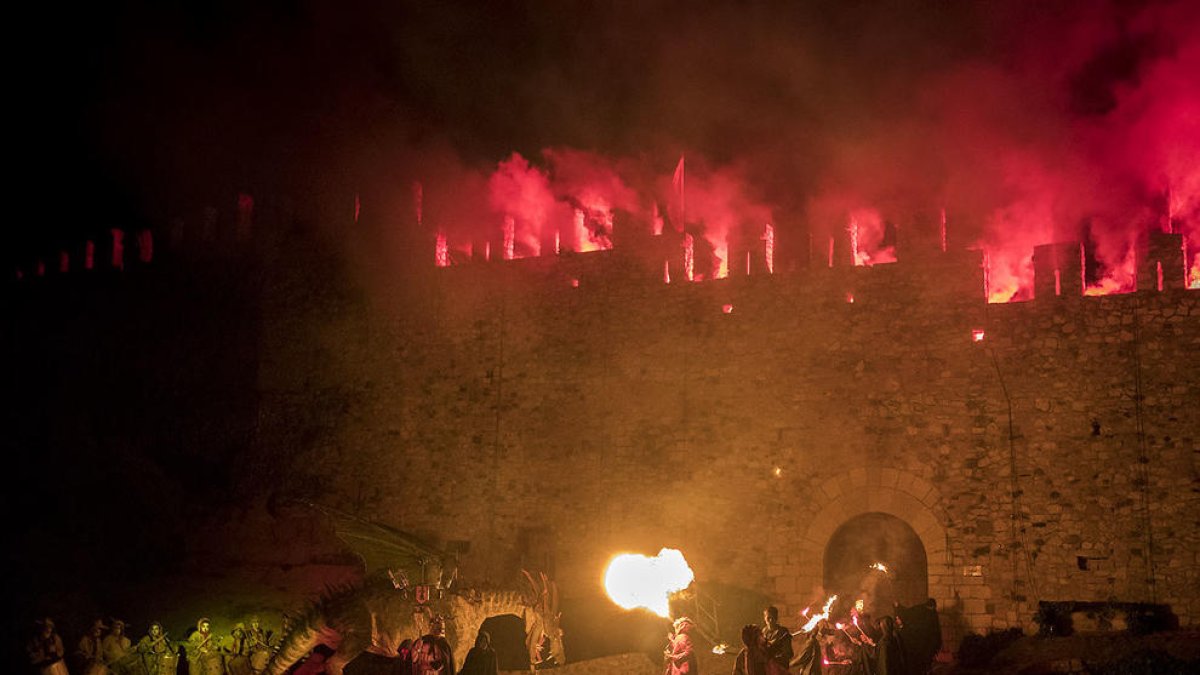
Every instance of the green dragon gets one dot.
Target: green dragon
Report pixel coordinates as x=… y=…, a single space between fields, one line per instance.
x=385 y=609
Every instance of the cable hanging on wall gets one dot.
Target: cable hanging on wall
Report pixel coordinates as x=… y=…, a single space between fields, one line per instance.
x=1142 y=470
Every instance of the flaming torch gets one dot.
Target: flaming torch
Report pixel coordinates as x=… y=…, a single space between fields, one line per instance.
x=882 y=568
x=634 y=580
x=817 y=618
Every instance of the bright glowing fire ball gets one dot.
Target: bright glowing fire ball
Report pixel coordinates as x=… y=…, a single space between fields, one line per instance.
x=634 y=580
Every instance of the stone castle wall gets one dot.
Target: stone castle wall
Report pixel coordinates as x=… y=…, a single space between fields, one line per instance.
x=551 y=413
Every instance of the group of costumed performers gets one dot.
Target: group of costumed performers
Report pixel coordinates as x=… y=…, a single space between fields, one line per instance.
x=904 y=644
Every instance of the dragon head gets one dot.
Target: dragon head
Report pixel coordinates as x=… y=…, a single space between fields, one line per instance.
x=544 y=634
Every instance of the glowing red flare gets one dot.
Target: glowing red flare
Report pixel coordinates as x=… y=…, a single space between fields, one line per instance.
x=727 y=308
x=689 y=258
x=977 y=335
x=869 y=243
x=853 y=228
x=769 y=247
x=510 y=237
x=441 y=253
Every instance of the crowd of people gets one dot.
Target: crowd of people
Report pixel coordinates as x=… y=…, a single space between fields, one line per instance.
x=905 y=643
x=106 y=649
x=433 y=655
x=430 y=654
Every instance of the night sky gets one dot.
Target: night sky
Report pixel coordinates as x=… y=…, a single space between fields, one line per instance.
x=135 y=111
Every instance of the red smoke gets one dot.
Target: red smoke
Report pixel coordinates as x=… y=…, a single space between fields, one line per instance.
x=570 y=202
x=1077 y=126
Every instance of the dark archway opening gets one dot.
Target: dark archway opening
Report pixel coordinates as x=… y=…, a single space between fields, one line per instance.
x=508 y=639
x=873 y=538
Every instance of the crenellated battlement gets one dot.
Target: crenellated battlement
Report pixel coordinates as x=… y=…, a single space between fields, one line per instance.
x=922 y=270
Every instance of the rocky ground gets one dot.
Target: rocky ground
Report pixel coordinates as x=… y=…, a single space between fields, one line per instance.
x=1095 y=654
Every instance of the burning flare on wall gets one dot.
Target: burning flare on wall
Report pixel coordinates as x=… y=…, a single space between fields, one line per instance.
x=633 y=580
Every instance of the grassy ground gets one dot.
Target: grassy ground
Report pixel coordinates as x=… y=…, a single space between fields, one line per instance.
x=1093 y=653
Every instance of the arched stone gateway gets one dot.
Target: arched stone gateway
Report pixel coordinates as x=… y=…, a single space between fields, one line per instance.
x=862 y=499
x=507 y=632
x=872 y=539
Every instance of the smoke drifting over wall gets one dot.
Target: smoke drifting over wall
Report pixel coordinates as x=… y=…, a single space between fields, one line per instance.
x=1067 y=121
x=1025 y=122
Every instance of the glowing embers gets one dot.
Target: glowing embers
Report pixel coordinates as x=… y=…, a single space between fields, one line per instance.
x=634 y=580
x=978 y=335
